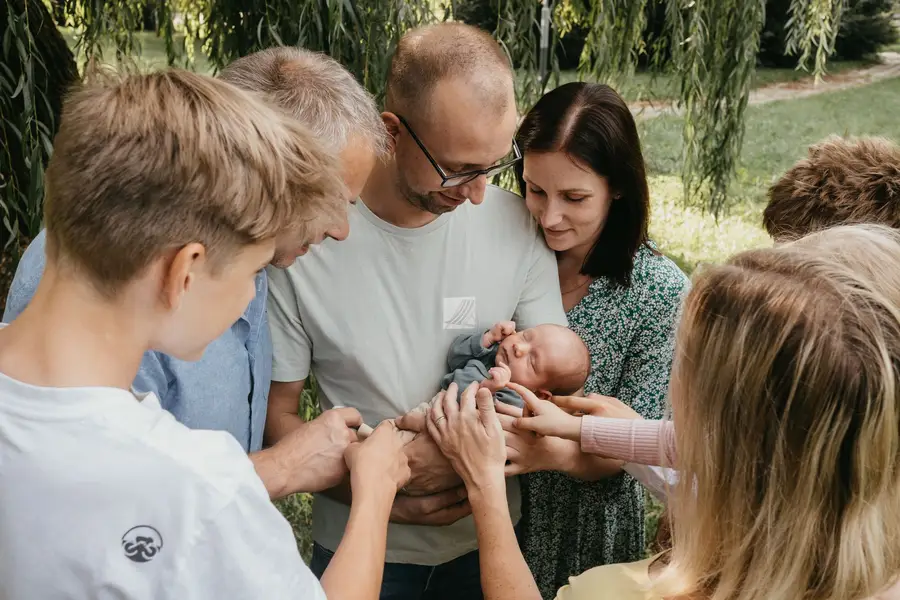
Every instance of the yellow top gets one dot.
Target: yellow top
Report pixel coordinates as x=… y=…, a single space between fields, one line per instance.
x=627 y=581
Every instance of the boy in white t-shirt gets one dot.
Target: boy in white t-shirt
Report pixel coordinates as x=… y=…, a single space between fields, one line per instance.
x=165 y=195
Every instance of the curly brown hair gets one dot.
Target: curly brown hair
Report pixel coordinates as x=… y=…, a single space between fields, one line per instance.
x=843 y=181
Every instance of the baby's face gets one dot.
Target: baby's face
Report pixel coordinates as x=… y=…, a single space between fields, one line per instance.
x=535 y=356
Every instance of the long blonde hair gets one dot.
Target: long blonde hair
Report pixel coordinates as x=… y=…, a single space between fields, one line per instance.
x=785 y=397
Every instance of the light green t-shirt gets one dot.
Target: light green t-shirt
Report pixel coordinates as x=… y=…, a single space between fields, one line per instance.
x=373 y=317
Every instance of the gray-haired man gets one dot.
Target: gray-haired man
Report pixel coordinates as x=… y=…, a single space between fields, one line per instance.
x=228 y=388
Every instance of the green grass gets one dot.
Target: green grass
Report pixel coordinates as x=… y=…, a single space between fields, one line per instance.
x=656 y=87
x=151 y=54
x=777 y=135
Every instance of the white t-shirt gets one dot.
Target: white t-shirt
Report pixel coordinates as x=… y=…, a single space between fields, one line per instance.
x=373 y=318
x=105 y=495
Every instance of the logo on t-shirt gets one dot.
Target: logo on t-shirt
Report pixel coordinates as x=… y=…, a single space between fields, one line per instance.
x=142 y=543
x=459 y=313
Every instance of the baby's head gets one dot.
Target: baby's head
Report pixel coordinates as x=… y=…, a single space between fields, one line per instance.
x=547 y=359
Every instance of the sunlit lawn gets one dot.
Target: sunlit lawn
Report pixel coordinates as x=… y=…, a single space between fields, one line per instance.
x=777 y=135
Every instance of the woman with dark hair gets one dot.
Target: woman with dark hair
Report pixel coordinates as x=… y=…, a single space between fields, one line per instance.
x=583 y=180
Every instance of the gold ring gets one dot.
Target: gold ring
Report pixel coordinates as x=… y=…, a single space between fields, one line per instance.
x=438 y=420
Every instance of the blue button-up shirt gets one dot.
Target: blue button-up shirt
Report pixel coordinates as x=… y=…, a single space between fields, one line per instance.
x=227 y=389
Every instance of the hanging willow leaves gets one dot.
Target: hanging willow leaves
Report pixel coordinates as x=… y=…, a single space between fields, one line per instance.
x=711 y=52
x=36 y=69
x=361 y=34
x=812 y=28
x=615 y=37
x=713 y=47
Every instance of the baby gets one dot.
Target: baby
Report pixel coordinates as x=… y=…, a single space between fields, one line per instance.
x=547 y=359
x=550 y=360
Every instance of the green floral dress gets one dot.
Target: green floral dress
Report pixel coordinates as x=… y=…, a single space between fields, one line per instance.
x=570 y=525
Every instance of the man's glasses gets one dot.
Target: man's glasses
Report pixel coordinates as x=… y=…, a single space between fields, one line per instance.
x=449 y=181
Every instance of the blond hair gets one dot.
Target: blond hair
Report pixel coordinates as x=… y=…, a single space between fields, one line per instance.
x=840 y=182
x=148 y=163
x=315 y=89
x=785 y=397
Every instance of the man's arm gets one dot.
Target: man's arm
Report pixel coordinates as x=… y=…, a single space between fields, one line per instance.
x=304 y=456
x=25 y=281
x=301 y=457
x=282 y=416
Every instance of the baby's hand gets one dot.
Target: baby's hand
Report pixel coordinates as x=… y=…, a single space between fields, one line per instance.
x=414 y=420
x=499 y=378
x=497 y=333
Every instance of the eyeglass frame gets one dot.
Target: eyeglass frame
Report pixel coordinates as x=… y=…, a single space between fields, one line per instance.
x=467 y=175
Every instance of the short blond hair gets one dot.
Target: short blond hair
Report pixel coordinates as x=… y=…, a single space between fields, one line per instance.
x=786 y=398
x=316 y=90
x=148 y=163
x=842 y=181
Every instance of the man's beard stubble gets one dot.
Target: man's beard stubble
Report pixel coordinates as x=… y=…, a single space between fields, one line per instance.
x=425 y=202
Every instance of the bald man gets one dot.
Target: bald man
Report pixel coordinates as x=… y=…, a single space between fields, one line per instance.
x=434 y=251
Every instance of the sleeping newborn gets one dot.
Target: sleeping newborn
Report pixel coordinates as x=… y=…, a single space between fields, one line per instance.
x=550 y=360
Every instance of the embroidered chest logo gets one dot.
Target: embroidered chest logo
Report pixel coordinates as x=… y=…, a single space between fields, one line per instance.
x=459 y=313
x=142 y=543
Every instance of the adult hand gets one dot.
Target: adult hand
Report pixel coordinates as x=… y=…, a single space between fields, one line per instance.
x=497 y=333
x=543 y=417
x=378 y=465
x=431 y=471
x=469 y=434
x=311 y=458
x=528 y=453
x=596 y=406
x=436 y=510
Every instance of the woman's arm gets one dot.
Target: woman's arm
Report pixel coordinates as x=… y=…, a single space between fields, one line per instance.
x=504 y=572
x=470 y=435
x=631 y=440
x=614 y=438
x=378 y=468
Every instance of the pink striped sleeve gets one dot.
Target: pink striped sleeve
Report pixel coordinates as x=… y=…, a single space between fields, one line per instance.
x=632 y=440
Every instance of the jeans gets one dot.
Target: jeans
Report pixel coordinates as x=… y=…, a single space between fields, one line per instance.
x=459 y=579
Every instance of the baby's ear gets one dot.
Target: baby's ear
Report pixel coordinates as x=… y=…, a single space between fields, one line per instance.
x=544 y=395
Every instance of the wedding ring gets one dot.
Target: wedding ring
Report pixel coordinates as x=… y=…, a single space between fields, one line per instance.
x=438 y=420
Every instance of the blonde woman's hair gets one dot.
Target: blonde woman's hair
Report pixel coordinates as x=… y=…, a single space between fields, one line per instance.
x=785 y=399
x=143 y=164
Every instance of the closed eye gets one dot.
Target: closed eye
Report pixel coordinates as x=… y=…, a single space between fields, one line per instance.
x=535 y=190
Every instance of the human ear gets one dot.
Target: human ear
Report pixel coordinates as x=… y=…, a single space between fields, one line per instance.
x=180 y=273
x=392 y=125
x=544 y=395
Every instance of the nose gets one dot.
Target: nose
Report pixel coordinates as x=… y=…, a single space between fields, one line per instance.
x=521 y=348
x=340 y=231
x=474 y=190
x=552 y=215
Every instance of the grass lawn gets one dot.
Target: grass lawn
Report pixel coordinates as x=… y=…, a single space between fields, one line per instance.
x=646 y=86
x=777 y=135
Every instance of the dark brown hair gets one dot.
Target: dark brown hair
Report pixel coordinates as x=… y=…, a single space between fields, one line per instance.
x=592 y=124
x=841 y=182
